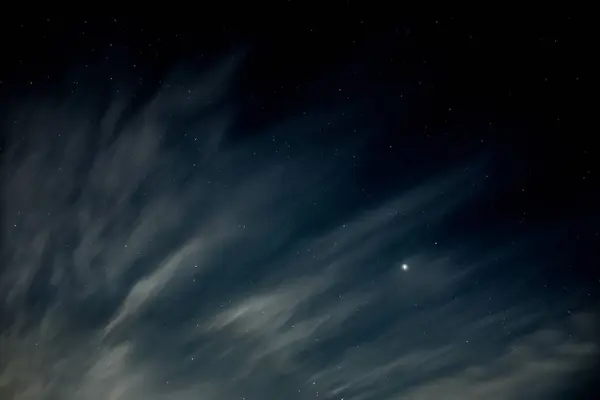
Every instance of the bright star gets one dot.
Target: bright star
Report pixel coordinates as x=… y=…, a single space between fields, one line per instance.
x=404 y=267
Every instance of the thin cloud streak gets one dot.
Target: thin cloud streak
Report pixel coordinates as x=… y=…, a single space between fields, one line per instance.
x=131 y=272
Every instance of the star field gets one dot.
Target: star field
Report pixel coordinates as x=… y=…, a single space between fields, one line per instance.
x=297 y=208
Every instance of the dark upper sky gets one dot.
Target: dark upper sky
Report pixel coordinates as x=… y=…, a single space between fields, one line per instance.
x=335 y=208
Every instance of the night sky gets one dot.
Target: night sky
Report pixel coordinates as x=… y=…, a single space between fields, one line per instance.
x=297 y=207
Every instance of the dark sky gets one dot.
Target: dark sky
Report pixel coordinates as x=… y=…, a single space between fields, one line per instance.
x=297 y=207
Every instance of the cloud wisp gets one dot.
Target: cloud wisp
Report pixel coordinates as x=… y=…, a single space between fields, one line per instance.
x=141 y=260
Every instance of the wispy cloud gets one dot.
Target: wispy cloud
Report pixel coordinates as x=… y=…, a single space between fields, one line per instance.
x=146 y=262
x=535 y=366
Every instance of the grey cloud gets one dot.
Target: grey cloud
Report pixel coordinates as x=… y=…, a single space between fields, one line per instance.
x=533 y=367
x=128 y=273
